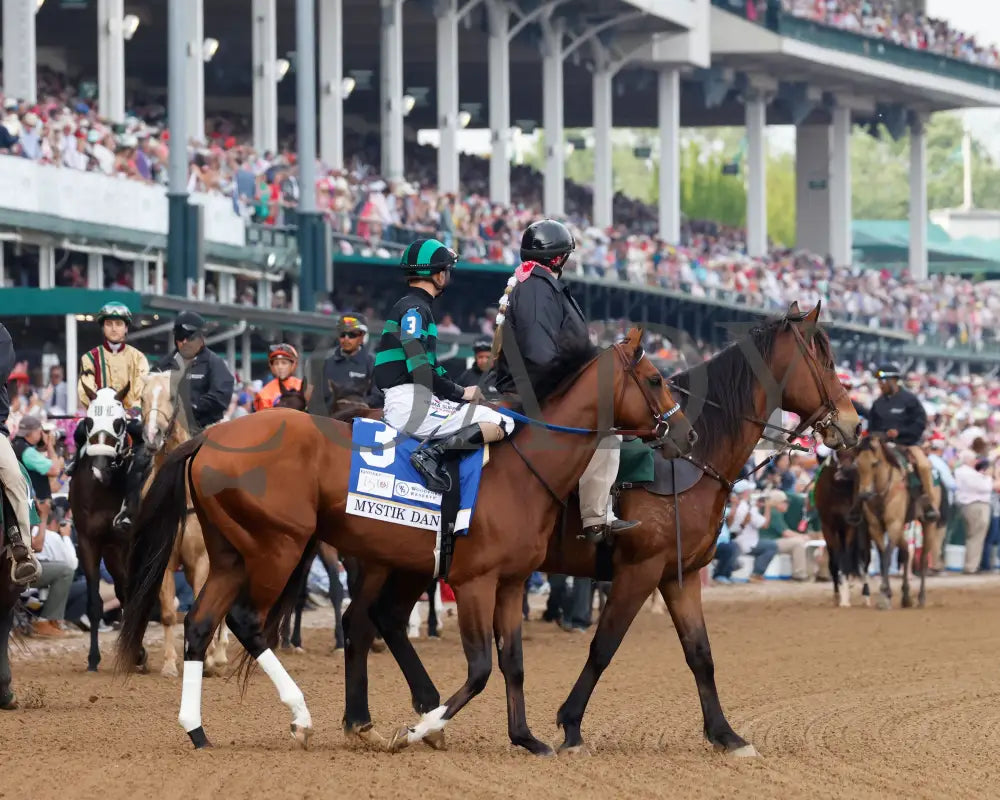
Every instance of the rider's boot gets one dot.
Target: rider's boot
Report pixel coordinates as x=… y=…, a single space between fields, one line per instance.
x=600 y=533
x=80 y=440
x=429 y=459
x=25 y=568
x=930 y=514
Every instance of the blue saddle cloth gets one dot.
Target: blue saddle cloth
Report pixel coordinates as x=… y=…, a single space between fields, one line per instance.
x=383 y=485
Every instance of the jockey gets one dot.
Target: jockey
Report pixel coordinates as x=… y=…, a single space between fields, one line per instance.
x=283 y=360
x=349 y=370
x=900 y=417
x=539 y=320
x=112 y=365
x=420 y=398
x=476 y=375
x=206 y=386
x=25 y=568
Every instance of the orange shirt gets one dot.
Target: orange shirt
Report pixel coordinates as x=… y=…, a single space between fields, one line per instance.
x=269 y=395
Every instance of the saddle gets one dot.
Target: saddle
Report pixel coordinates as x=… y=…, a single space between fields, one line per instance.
x=670 y=476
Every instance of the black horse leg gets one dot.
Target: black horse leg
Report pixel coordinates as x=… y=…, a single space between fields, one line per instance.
x=300 y=605
x=8 y=701
x=684 y=604
x=432 y=617
x=337 y=601
x=359 y=633
x=115 y=560
x=632 y=585
x=90 y=557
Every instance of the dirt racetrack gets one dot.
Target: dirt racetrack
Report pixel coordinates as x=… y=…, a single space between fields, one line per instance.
x=841 y=703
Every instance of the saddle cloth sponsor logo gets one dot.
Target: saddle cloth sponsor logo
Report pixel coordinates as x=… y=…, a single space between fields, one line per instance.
x=384 y=485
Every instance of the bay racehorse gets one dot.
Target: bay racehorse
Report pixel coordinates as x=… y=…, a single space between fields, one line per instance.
x=889 y=507
x=784 y=363
x=265 y=487
x=165 y=427
x=847 y=545
x=95 y=497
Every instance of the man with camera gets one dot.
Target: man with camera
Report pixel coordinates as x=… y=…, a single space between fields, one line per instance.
x=35 y=448
x=973 y=487
x=745 y=520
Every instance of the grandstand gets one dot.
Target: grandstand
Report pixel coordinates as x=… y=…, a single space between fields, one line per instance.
x=98 y=105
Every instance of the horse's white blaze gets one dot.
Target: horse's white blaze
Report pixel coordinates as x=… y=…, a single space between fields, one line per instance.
x=431 y=722
x=104 y=410
x=190 y=714
x=288 y=691
x=152 y=423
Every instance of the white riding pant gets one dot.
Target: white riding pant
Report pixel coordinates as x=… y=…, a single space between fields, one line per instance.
x=413 y=409
x=17 y=491
x=597 y=480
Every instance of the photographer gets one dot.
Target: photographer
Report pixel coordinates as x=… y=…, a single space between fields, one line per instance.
x=788 y=542
x=35 y=449
x=745 y=523
x=53 y=543
x=973 y=487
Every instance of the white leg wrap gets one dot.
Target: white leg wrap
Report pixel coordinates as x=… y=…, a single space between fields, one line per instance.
x=289 y=693
x=190 y=714
x=429 y=723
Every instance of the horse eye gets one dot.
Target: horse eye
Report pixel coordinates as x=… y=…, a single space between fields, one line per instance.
x=656 y=380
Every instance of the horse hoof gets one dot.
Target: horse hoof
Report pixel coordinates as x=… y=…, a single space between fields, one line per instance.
x=400 y=740
x=884 y=603
x=9 y=703
x=169 y=670
x=435 y=740
x=299 y=650
x=907 y=603
x=378 y=646
x=580 y=750
x=91 y=668
x=302 y=735
x=747 y=751
x=368 y=736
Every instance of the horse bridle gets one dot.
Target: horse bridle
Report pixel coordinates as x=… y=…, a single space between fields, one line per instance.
x=661 y=419
x=827 y=414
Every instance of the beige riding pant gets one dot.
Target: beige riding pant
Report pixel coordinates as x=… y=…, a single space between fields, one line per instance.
x=15 y=487
x=597 y=480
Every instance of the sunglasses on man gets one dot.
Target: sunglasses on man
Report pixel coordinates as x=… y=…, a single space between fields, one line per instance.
x=351 y=335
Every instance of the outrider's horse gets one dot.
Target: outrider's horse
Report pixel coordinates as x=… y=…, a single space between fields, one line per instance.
x=847 y=545
x=9 y=594
x=889 y=507
x=95 y=497
x=165 y=427
x=265 y=487
x=783 y=363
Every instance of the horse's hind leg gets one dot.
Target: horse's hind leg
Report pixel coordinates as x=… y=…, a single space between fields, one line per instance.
x=337 y=600
x=632 y=585
x=904 y=559
x=684 y=604
x=91 y=559
x=359 y=629
x=210 y=606
x=507 y=620
x=300 y=605
x=8 y=700
x=168 y=618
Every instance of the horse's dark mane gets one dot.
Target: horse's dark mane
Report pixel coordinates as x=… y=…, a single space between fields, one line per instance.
x=728 y=383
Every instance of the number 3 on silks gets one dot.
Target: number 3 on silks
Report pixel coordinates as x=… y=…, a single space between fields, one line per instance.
x=412 y=325
x=381 y=460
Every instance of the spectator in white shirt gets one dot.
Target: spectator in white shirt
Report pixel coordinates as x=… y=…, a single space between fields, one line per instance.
x=973 y=487
x=745 y=521
x=57 y=576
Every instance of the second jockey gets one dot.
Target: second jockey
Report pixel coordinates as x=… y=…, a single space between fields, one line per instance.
x=420 y=398
x=283 y=359
x=113 y=364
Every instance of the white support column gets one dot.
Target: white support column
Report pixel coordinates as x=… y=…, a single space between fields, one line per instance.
x=756 y=123
x=669 y=113
x=265 y=78
x=331 y=78
x=604 y=187
x=499 y=91
x=446 y=12
x=110 y=59
x=918 y=200
x=392 y=90
x=812 y=188
x=554 y=194
x=194 y=78
x=841 y=214
x=158 y=274
x=95 y=271
x=71 y=364
x=246 y=370
x=19 y=55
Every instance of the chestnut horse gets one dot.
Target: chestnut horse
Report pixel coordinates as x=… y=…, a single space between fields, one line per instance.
x=783 y=363
x=164 y=428
x=265 y=487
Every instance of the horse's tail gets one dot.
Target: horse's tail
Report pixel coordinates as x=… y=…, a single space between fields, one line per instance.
x=283 y=606
x=161 y=519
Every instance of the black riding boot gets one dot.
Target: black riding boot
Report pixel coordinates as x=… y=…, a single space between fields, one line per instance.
x=25 y=568
x=138 y=469
x=429 y=460
x=79 y=439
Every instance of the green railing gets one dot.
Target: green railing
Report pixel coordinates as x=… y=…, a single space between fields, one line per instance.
x=817 y=33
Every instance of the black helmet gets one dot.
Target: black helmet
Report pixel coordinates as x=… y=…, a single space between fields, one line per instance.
x=546 y=240
x=425 y=257
x=890 y=369
x=188 y=324
x=482 y=346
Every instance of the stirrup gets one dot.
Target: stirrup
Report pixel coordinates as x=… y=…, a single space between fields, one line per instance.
x=426 y=461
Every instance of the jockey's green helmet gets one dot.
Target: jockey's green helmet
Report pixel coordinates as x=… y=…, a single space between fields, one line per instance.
x=426 y=257
x=114 y=311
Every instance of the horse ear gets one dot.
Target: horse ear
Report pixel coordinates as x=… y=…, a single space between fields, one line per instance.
x=793 y=310
x=91 y=394
x=633 y=339
x=813 y=316
x=122 y=393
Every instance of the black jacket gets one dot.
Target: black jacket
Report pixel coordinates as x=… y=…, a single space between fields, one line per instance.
x=6 y=365
x=352 y=375
x=542 y=321
x=474 y=376
x=206 y=387
x=407 y=350
x=902 y=411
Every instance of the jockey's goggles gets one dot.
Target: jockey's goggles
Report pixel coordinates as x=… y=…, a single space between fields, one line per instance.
x=282 y=351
